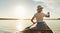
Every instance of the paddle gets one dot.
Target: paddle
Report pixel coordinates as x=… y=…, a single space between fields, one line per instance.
x=29 y=26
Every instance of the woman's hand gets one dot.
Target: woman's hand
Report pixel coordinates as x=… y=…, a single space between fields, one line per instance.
x=33 y=22
x=48 y=13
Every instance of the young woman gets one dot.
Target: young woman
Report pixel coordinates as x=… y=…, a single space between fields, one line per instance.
x=39 y=18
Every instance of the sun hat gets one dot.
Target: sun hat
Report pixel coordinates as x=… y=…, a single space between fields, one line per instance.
x=39 y=7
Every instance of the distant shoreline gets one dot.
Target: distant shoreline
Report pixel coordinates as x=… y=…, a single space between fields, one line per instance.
x=24 y=19
x=8 y=19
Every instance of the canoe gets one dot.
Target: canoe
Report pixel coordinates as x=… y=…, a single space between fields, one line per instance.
x=33 y=30
x=48 y=30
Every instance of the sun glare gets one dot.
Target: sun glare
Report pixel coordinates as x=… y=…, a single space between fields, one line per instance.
x=20 y=11
x=20 y=26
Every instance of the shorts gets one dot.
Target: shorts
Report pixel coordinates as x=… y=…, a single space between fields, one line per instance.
x=40 y=26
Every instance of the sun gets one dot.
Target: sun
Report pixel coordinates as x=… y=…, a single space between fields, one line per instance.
x=20 y=11
x=21 y=14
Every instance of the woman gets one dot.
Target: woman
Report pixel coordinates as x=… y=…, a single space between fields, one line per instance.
x=39 y=18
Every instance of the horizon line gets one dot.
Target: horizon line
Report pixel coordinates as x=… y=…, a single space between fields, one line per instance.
x=27 y=19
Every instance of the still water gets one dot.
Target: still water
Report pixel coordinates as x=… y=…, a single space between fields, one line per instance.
x=11 y=26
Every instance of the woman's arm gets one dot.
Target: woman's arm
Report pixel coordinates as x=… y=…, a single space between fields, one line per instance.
x=48 y=14
x=32 y=20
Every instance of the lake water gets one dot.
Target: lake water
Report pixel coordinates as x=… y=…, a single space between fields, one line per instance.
x=11 y=26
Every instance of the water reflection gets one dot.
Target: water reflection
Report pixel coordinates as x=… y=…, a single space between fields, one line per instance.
x=20 y=25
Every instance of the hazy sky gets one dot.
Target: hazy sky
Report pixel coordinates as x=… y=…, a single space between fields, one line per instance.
x=27 y=8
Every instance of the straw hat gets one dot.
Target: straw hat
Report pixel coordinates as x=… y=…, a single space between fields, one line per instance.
x=39 y=7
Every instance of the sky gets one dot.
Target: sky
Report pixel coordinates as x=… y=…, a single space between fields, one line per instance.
x=27 y=8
